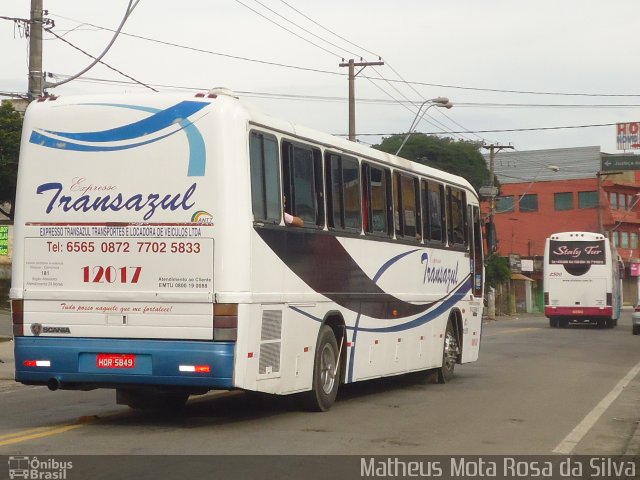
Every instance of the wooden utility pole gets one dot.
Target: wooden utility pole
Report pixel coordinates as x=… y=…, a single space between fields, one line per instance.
x=36 y=78
x=493 y=149
x=352 y=92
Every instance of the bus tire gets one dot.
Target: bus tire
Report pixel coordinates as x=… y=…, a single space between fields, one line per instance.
x=553 y=322
x=450 y=352
x=636 y=330
x=324 y=388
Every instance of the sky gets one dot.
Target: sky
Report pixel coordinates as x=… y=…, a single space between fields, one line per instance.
x=576 y=58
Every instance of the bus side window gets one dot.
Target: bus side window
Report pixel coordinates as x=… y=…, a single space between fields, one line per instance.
x=432 y=216
x=377 y=189
x=302 y=182
x=456 y=213
x=343 y=192
x=406 y=213
x=265 y=180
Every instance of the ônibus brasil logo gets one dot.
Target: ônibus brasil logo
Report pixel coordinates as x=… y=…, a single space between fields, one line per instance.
x=38 y=469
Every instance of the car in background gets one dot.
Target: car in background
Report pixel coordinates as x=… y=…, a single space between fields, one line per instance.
x=635 y=319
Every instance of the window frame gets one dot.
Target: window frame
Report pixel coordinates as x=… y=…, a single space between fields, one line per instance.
x=366 y=167
x=590 y=197
x=556 y=197
x=265 y=218
x=462 y=212
x=400 y=181
x=524 y=198
x=288 y=167
x=329 y=158
x=502 y=198
x=425 y=197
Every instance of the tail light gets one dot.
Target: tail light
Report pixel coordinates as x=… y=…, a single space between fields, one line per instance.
x=17 y=317
x=609 y=299
x=225 y=322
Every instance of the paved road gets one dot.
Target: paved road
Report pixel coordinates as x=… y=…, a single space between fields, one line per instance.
x=530 y=393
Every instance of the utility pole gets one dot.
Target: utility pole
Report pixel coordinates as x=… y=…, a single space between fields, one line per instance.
x=352 y=91
x=36 y=78
x=492 y=193
x=493 y=149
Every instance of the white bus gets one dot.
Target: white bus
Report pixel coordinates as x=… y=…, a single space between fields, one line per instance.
x=152 y=254
x=582 y=280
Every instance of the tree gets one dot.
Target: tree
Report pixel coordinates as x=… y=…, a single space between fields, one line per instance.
x=10 y=132
x=497 y=270
x=458 y=157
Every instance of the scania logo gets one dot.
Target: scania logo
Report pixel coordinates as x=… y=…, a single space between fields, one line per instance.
x=56 y=330
x=37 y=329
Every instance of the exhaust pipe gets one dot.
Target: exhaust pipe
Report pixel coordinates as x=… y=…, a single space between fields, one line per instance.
x=53 y=384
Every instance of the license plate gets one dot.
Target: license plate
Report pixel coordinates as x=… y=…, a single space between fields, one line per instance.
x=115 y=360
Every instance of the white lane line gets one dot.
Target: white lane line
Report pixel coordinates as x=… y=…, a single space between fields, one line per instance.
x=567 y=445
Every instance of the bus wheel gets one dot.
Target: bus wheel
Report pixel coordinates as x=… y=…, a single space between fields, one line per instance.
x=325 y=377
x=450 y=354
x=636 y=330
x=553 y=322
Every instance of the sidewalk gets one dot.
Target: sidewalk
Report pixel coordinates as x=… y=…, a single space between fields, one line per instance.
x=7 y=363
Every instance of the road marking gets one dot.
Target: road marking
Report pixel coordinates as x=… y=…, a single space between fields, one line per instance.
x=24 y=435
x=567 y=445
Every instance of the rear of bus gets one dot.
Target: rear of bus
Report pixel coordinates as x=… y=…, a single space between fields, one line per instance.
x=113 y=272
x=578 y=279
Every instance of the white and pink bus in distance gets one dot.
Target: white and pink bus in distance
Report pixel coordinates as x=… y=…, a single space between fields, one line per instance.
x=582 y=280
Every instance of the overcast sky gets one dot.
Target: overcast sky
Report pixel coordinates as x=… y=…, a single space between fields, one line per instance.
x=470 y=51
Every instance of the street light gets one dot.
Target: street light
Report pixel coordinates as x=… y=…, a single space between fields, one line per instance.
x=433 y=102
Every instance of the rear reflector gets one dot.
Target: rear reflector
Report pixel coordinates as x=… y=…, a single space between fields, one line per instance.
x=17 y=317
x=37 y=363
x=195 y=368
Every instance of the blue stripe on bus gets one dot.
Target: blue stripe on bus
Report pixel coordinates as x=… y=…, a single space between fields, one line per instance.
x=159 y=120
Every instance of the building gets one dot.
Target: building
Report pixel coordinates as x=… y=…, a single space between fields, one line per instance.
x=568 y=189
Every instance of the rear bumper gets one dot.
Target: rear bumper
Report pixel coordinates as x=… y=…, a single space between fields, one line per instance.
x=73 y=362
x=578 y=312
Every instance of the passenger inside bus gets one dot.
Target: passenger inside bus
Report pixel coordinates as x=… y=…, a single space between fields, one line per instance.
x=289 y=219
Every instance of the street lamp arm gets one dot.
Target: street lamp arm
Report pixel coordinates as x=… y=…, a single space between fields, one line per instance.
x=433 y=102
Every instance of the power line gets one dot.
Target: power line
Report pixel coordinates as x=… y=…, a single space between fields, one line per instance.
x=303 y=29
x=330 y=31
x=98 y=61
x=314 y=70
x=208 y=52
x=288 y=30
x=494 y=131
x=130 y=7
